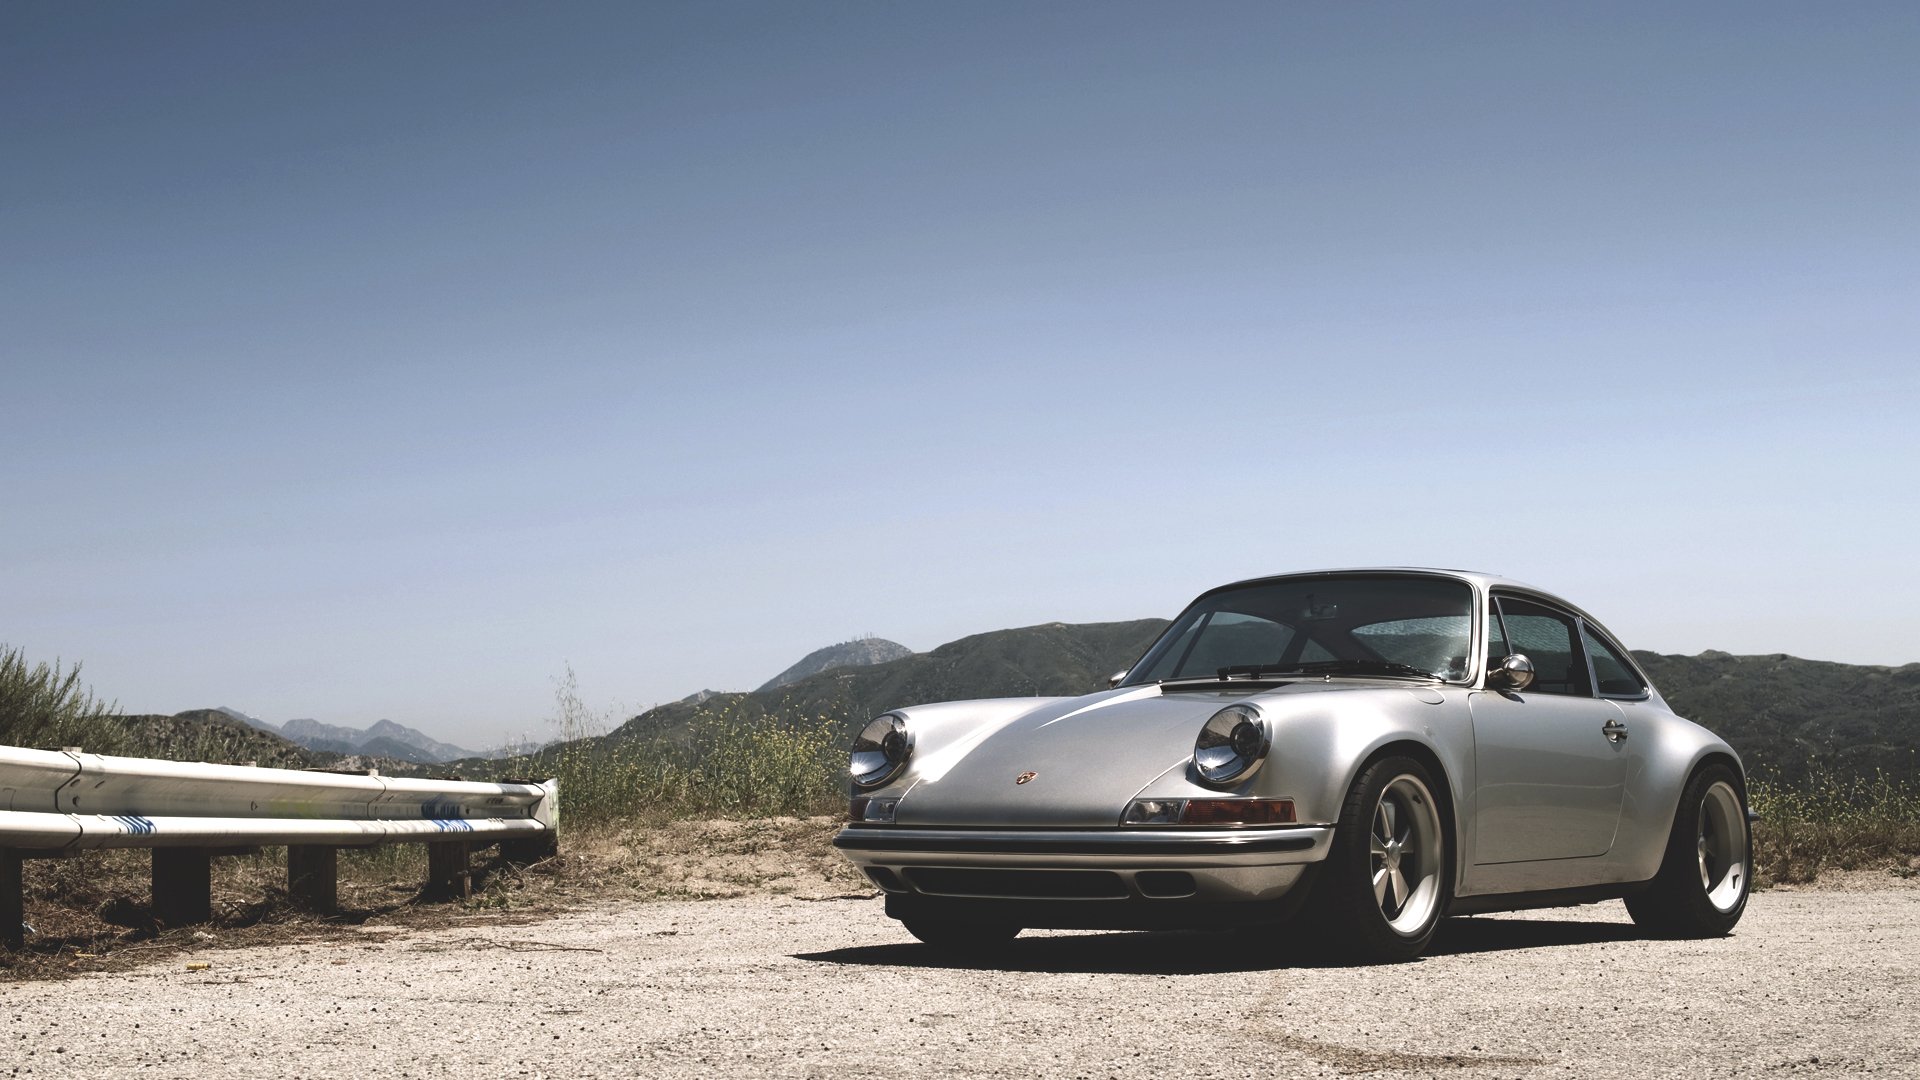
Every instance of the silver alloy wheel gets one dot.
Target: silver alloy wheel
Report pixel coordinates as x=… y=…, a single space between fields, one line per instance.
x=1407 y=849
x=1722 y=846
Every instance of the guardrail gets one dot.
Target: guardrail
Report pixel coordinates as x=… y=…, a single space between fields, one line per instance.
x=55 y=803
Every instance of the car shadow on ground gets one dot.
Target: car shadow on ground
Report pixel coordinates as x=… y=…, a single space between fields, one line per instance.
x=1200 y=953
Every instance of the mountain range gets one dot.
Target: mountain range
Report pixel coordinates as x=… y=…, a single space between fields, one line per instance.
x=384 y=739
x=1789 y=717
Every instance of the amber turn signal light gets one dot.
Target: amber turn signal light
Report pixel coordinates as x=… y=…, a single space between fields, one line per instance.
x=1238 y=812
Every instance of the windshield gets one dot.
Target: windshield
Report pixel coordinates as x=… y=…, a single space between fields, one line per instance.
x=1376 y=624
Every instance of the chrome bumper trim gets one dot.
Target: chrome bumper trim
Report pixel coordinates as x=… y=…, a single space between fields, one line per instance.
x=1144 y=842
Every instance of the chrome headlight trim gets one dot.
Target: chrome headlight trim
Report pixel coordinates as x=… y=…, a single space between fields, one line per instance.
x=1231 y=745
x=881 y=751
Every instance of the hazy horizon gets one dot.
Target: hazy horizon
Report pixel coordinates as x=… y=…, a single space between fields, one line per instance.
x=383 y=361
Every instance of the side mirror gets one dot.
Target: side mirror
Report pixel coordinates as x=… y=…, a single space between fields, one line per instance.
x=1113 y=680
x=1513 y=673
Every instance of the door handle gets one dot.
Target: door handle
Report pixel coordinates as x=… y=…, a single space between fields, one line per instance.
x=1614 y=730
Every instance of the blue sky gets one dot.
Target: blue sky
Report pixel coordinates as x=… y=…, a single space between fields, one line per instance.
x=368 y=361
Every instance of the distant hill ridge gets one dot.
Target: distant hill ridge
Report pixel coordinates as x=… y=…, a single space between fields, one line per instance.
x=1050 y=659
x=860 y=652
x=384 y=739
x=1789 y=716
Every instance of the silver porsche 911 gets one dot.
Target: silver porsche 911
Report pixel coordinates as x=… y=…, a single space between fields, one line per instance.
x=1358 y=751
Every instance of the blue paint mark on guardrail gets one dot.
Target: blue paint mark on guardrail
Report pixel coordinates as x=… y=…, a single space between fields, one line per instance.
x=452 y=825
x=138 y=826
x=441 y=809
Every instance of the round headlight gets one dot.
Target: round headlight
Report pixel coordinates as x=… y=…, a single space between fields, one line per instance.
x=881 y=751
x=1232 y=745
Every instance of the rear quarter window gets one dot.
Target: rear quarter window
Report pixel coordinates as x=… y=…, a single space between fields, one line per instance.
x=1611 y=672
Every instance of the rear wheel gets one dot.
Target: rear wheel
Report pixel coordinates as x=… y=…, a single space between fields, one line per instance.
x=1385 y=881
x=1702 y=886
x=949 y=935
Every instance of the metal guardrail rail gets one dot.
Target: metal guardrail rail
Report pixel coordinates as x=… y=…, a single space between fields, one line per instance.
x=54 y=803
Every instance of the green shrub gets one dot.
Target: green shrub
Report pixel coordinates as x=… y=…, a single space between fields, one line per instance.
x=43 y=706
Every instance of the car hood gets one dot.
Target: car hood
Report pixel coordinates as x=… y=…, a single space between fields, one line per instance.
x=1088 y=756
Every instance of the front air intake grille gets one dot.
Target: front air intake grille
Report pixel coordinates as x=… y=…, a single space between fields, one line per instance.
x=1164 y=884
x=1017 y=884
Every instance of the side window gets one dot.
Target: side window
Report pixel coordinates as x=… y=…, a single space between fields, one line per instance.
x=1610 y=669
x=1552 y=642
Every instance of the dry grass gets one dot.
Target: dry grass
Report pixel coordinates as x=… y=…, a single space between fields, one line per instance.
x=727 y=763
x=1798 y=853
x=1832 y=824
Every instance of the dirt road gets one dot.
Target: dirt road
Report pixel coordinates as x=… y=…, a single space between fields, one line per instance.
x=1814 y=983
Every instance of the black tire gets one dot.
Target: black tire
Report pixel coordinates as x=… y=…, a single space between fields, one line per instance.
x=950 y=936
x=1680 y=902
x=1361 y=924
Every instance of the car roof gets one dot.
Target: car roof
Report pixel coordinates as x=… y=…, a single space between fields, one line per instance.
x=1476 y=577
x=1480 y=580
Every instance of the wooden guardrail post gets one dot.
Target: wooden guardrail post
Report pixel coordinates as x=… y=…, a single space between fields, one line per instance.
x=525 y=851
x=313 y=876
x=449 y=873
x=182 y=885
x=13 y=911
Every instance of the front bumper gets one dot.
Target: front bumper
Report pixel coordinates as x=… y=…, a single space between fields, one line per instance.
x=1143 y=876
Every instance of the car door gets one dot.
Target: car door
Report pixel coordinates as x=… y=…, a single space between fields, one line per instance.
x=1550 y=759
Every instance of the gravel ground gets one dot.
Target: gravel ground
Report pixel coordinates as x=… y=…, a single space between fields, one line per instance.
x=1814 y=982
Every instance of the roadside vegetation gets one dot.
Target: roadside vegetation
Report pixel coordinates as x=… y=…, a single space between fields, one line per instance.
x=47 y=705
x=1828 y=822
x=726 y=761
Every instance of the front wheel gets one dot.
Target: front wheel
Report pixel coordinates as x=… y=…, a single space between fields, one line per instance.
x=949 y=935
x=1704 y=879
x=1385 y=881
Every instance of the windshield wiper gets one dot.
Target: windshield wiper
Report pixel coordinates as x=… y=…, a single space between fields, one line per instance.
x=1246 y=673
x=1234 y=673
x=1362 y=667
x=1251 y=671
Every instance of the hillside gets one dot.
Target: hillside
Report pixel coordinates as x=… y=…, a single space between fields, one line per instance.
x=1052 y=659
x=861 y=652
x=210 y=735
x=1787 y=715
x=195 y=735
